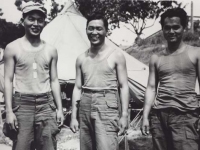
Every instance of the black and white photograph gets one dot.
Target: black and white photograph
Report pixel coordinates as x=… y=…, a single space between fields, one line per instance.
x=99 y=75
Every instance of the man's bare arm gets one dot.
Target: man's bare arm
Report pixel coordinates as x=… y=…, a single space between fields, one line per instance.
x=197 y=54
x=8 y=76
x=55 y=86
x=124 y=90
x=149 y=94
x=9 y=65
x=76 y=95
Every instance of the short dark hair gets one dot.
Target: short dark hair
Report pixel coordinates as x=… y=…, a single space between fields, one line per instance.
x=24 y=15
x=98 y=16
x=175 y=12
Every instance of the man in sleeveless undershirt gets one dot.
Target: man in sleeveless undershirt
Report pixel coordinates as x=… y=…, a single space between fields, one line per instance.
x=170 y=93
x=31 y=115
x=100 y=71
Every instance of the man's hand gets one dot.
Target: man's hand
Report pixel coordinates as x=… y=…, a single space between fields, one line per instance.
x=74 y=126
x=11 y=120
x=60 y=117
x=145 y=127
x=123 y=125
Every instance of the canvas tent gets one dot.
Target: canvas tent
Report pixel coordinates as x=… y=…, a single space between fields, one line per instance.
x=67 y=32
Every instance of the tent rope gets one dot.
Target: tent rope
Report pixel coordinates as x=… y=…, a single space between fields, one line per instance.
x=67 y=10
x=77 y=30
x=136 y=120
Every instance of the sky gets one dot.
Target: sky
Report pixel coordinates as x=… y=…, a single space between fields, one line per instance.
x=121 y=36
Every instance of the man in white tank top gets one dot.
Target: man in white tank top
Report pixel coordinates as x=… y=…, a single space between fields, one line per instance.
x=31 y=115
x=171 y=89
x=99 y=72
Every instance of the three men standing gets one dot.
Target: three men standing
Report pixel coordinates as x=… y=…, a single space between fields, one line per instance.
x=99 y=72
x=171 y=89
x=34 y=63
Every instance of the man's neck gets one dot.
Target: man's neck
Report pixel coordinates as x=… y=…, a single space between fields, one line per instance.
x=98 y=48
x=175 y=48
x=34 y=41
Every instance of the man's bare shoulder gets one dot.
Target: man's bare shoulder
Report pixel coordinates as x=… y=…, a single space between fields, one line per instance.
x=193 y=49
x=50 y=48
x=13 y=47
x=81 y=57
x=154 y=59
x=193 y=53
x=117 y=55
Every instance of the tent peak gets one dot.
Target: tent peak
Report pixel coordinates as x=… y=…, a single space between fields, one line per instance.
x=69 y=7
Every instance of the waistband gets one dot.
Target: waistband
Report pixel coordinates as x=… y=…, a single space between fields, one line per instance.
x=32 y=95
x=33 y=99
x=99 y=91
x=173 y=110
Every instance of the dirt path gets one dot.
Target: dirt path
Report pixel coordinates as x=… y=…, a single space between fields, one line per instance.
x=70 y=141
x=67 y=140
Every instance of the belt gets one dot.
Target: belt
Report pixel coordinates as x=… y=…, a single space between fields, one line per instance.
x=32 y=95
x=173 y=110
x=99 y=91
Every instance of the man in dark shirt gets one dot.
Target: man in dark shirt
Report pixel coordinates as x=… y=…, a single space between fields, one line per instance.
x=171 y=89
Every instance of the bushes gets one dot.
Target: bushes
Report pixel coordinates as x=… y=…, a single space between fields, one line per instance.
x=155 y=39
x=189 y=36
x=9 y=32
x=144 y=53
x=158 y=38
x=192 y=38
x=154 y=45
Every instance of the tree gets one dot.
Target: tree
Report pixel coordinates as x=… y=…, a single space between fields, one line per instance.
x=9 y=32
x=1 y=13
x=109 y=8
x=197 y=25
x=134 y=12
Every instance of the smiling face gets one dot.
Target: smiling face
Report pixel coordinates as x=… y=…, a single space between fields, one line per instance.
x=34 y=22
x=96 y=32
x=173 y=30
